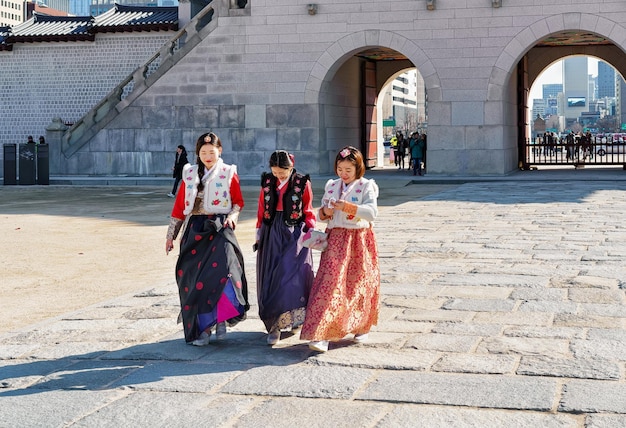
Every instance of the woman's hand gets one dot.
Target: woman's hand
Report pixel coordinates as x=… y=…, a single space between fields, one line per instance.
x=229 y=222
x=169 y=246
x=339 y=205
x=326 y=213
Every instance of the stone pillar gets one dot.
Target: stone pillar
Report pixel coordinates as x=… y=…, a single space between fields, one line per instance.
x=184 y=13
x=54 y=138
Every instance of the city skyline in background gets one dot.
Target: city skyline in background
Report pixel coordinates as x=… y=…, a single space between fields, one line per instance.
x=554 y=74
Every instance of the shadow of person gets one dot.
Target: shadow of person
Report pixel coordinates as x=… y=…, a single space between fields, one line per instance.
x=169 y=365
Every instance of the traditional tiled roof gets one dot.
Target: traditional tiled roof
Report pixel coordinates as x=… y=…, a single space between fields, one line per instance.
x=43 y=28
x=137 y=18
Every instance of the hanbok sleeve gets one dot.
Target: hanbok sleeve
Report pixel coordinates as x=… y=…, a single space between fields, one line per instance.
x=368 y=208
x=179 y=203
x=260 y=209
x=235 y=192
x=325 y=199
x=307 y=200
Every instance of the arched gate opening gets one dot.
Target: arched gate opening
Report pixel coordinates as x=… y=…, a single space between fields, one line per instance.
x=557 y=149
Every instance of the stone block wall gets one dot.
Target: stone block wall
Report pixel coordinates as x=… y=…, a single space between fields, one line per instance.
x=41 y=81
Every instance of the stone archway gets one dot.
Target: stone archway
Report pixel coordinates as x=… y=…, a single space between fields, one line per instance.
x=506 y=64
x=523 y=59
x=333 y=87
x=334 y=57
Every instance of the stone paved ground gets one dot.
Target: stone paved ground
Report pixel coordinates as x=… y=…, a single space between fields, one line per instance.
x=503 y=305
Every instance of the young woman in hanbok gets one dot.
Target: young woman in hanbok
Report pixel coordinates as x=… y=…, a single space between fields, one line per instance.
x=212 y=285
x=284 y=266
x=345 y=295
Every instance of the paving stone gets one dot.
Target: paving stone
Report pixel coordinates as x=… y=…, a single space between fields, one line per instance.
x=9 y=352
x=480 y=305
x=605 y=421
x=524 y=346
x=257 y=352
x=582 y=281
x=406 y=415
x=412 y=290
x=468 y=329
x=618 y=311
x=199 y=377
x=396 y=325
x=461 y=390
x=573 y=368
x=514 y=318
x=546 y=332
x=555 y=294
x=476 y=292
x=606 y=334
x=28 y=408
x=591 y=321
x=471 y=363
x=593 y=397
x=80 y=350
x=442 y=342
x=436 y=315
x=23 y=373
x=300 y=381
x=313 y=413
x=152 y=312
x=594 y=295
x=497 y=280
x=167 y=410
x=521 y=268
x=549 y=306
x=414 y=303
x=89 y=375
x=602 y=349
x=388 y=359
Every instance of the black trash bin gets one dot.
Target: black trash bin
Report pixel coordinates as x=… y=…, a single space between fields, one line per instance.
x=27 y=163
x=10 y=164
x=43 y=164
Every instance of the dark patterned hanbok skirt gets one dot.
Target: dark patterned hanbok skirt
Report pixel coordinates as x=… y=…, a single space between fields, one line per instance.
x=210 y=275
x=284 y=276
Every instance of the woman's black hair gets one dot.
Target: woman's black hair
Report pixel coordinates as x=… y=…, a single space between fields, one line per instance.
x=180 y=146
x=281 y=159
x=204 y=139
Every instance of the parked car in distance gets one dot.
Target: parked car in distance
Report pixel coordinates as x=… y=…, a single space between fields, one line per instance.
x=617 y=147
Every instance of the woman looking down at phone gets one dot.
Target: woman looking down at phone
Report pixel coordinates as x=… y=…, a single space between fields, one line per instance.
x=346 y=289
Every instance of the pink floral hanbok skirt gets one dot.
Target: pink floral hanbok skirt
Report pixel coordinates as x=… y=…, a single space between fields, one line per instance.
x=346 y=289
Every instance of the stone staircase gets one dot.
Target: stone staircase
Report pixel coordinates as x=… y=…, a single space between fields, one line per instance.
x=199 y=27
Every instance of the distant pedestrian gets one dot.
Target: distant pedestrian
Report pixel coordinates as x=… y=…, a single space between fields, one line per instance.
x=177 y=170
x=401 y=150
x=30 y=140
x=393 y=149
x=42 y=140
x=416 y=149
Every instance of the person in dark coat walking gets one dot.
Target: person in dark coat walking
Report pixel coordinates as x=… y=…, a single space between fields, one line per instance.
x=179 y=163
